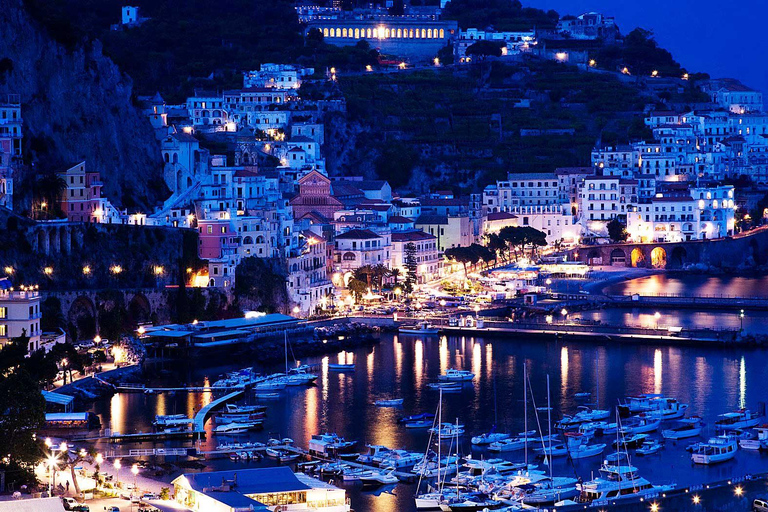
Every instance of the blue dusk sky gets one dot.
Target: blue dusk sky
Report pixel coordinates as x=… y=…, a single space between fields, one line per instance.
x=723 y=38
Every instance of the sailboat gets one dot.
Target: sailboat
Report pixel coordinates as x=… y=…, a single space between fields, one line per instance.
x=492 y=436
x=298 y=376
x=429 y=468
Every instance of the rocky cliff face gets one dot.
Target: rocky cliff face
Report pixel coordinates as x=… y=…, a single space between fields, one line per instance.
x=76 y=105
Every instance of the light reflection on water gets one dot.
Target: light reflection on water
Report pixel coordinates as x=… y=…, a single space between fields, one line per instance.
x=711 y=380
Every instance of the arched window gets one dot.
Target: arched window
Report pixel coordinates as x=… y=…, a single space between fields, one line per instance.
x=344 y=32
x=386 y=33
x=429 y=33
x=399 y=33
x=175 y=158
x=248 y=240
x=357 y=33
x=423 y=33
x=369 y=33
x=325 y=32
x=167 y=158
x=349 y=256
x=442 y=33
x=212 y=282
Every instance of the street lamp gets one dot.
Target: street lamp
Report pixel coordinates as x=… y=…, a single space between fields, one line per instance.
x=657 y=315
x=117 y=469
x=741 y=319
x=477 y=311
x=564 y=313
x=135 y=471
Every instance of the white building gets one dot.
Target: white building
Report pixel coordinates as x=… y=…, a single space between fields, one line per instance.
x=19 y=314
x=358 y=247
x=277 y=76
x=308 y=282
x=604 y=198
x=427 y=259
x=527 y=189
x=555 y=221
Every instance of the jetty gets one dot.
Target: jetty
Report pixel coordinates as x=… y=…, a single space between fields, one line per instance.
x=202 y=414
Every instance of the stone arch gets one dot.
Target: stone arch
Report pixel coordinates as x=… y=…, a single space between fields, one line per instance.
x=63 y=240
x=637 y=257
x=659 y=257
x=212 y=283
x=247 y=240
x=53 y=241
x=678 y=257
x=618 y=257
x=260 y=239
x=349 y=256
x=81 y=318
x=139 y=309
x=594 y=257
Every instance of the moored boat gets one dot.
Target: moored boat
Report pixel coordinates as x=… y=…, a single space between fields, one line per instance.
x=716 y=450
x=743 y=418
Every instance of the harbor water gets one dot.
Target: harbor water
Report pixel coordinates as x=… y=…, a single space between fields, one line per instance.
x=711 y=380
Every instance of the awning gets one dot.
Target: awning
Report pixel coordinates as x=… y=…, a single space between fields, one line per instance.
x=57 y=398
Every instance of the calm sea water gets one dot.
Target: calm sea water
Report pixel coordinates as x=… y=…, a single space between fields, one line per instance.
x=698 y=285
x=711 y=380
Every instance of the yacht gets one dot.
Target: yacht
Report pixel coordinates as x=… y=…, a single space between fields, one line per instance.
x=281 y=455
x=519 y=442
x=236 y=428
x=392 y=402
x=738 y=419
x=583 y=415
x=643 y=425
x=244 y=409
x=641 y=403
x=329 y=445
x=667 y=409
x=757 y=442
x=649 y=447
x=448 y=430
x=617 y=482
x=377 y=478
x=585 y=451
x=716 y=450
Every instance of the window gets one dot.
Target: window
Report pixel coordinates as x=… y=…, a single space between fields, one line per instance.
x=3 y=312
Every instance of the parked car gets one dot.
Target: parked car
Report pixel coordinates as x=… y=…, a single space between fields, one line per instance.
x=148 y=496
x=81 y=508
x=760 y=505
x=69 y=503
x=113 y=509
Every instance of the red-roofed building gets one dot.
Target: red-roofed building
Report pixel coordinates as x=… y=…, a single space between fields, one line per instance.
x=315 y=196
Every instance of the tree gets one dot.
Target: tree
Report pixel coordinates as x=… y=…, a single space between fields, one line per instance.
x=411 y=267
x=366 y=273
x=357 y=288
x=483 y=49
x=463 y=255
x=483 y=253
x=617 y=231
x=395 y=273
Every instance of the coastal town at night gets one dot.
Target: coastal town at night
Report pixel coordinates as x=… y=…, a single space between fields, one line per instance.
x=386 y=255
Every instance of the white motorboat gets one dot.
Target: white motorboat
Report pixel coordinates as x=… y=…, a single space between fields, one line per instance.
x=585 y=451
x=641 y=403
x=618 y=482
x=397 y=459
x=385 y=477
x=519 y=442
x=172 y=420
x=448 y=430
x=236 y=428
x=690 y=427
x=454 y=375
x=490 y=437
x=641 y=426
x=583 y=415
x=421 y=328
x=244 y=409
x=757 y=442
x=270 y=385
x=329 y=445
x=716 y=450
x=649 y=447
x=667 y=409
x=391 y=402
x=257 y=417
x=737 y=420
x=355 y=474
x=445 y=386
x=281 y=455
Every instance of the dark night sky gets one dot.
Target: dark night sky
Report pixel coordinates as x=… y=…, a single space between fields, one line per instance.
x=725 y=38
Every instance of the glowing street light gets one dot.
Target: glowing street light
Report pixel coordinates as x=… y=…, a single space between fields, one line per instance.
x=158 y=270
x=741 y=319
x=657 y=315
x=738 y=491
x=141 y=330
x=97 y=339
x=117 y=465
x=696 y=499
x=592 y=63
x=8 y=270
x=86 y=270
x=99 y=459
x=52 y=461
x=549 y=319
x=654 y=507
x=48 y=271
x=135 y=471
x=116 y=269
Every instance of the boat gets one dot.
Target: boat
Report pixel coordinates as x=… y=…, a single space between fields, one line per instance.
x=643 y=425
x=667 y=409
x=633 y=441
x=244 y=409
x=392 y=402
x=445 y=386
x=553 y=450
x=490 y=437
x=518 y=442
x=716 y=450
x=454 y=375
x=355 y=474
x=266 y=396
x=583 y=415
x=447 y=430
x=396 y=458
x=582 y=396
x=236 y=428
x=649 y=447
x=341 y=367
x=419 y=424
x=468 y=503
x=639 y=404
x=329 y=445
x=421 y=328
x=742 y=418
x=416 y=417
x=690 y=427
x=585 y=451
x=172 y=420
x=759 y=441
x=270 y=385
x=377 y=478
x=239 y=418
x=618 y=482
x=281 y=455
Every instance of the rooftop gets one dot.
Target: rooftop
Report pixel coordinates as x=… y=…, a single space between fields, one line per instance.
x=357 y=234
x=412 y=236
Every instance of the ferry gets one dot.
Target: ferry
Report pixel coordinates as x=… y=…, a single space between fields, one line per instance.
x=739 y=419
x=618 y=482
x=716 y=450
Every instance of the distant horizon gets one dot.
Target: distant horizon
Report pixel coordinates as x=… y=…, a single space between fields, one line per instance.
x=726 y=41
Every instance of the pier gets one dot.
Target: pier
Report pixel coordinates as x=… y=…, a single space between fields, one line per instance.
x=202 y=414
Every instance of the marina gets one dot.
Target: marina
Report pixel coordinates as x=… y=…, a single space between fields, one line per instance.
x=582 y=376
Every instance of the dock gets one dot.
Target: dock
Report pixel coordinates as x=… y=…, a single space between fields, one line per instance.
x=202 y=414
x=141 y=388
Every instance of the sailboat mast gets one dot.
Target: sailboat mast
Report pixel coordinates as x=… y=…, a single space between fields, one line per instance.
x=525 y=409
x=285 y=343
x=439 y=426
x=549 y=428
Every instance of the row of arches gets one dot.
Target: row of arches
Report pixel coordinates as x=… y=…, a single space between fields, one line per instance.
x=658 y=257
x=384 y=33
x=56 y=240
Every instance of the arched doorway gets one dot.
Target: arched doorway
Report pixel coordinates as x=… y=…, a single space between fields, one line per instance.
x=637 y=258
x=139 y=310
x=659 y=258
x=618 y=257
x=677 y=260
x=594 y=257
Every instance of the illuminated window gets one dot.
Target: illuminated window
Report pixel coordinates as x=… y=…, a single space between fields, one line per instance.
x=3 y=312
x=429 y=33
x=369 y=33
x=3 y=330
x=423 y=33
x=325 y=32
x=410 y=34
x=386 y=33
x=442 y=33
x=399 y=33
x=210 y=230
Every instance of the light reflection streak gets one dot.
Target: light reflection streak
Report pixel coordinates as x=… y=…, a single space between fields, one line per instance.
x=324 y=376
x=742 y=384
x=117 y=408
x=564 y=370
x=369 y=362
x=398 y=347
x=312 y=417
x=488 y=361
x=477 y=358
x=418 y=362
x=443 y=354
x=657 y=369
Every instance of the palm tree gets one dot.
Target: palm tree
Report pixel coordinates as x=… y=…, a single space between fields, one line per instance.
x=395 y=273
